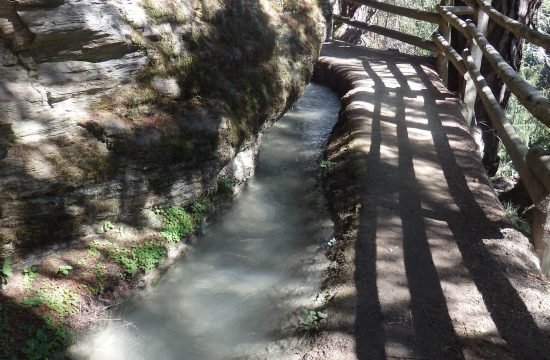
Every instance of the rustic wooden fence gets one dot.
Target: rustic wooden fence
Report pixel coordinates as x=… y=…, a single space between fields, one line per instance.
x=471 y=22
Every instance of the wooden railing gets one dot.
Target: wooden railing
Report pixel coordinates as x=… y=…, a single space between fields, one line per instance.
x=532 y=164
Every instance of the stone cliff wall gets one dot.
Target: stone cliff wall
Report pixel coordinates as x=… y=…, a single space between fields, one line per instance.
x=111 y=107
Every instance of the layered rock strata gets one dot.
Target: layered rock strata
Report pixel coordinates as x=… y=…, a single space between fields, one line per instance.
x=111 y=107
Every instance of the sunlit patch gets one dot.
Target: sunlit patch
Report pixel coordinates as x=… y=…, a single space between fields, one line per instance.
x=29 y=130
x=39 y=166
x=387 y=111
x=417 y=134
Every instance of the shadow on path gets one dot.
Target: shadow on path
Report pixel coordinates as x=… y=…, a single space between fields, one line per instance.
x=432 y=272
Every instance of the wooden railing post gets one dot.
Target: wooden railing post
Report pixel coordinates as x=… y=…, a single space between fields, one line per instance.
x=442 y=61
x=330 y=29
x=470 y=93
x=541 y=236
x=538 y=162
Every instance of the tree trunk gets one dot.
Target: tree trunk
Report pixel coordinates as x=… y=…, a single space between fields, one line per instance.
x=510 y=48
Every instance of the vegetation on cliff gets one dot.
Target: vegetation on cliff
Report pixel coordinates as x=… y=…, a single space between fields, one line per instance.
x=130 y=144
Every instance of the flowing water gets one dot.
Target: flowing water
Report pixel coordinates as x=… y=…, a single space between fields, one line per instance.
x=252 y=270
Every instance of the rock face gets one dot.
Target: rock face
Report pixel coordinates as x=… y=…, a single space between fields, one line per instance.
x=111 y=107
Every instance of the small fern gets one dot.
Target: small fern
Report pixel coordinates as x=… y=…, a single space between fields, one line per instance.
x=176 y=223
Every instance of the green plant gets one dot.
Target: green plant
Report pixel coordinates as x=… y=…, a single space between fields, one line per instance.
x=312 y=318
x=32 y=301
x=164 y=12
x=5 y=272
x=93 y=251
x=199 y=210
x=534 y=70
x=143 y=257
x=6 y=339
x=64 y=269
x=225 y=185
x=327 y=165
x=99 y=272
x=199 y=207
x=125 y=259
x=176 y=223
x=105 y=227
x=513 y=214
x=149 y=255
x=29 y=274
x=38 y=346
x=44 y=342
x=60 y=300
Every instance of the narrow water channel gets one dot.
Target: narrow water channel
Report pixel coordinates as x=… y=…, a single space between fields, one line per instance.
x=251 y=270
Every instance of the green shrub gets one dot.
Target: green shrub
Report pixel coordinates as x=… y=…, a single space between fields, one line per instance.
x=529 y=130
x=43 y=343
x=126 y=259
x=143 y=257
x=149 y=255
x=64 y=269
x=60 y=300
x=312 y=318
x=225 y=186
x=327 y=165
x=514 y=216
x=176 y=223
x=199 y=210
x=38 y=346
x=29 y=274
x=5 y=272
x=105 y=227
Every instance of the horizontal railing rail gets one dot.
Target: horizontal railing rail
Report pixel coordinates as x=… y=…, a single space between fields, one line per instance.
x=519 y=29
x=410 y=39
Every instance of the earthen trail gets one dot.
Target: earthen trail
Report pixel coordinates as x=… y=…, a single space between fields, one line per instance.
x=427 y=266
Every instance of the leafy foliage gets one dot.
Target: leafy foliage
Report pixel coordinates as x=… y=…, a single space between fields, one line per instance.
x=530 y=130
x=60 y=300
x=514 y=216
x=5 y=341
x=5 y=272
x=312 y=318
x=93 y=251
x=44 y=342
x=176 y=223
x=64 y=269
x=126 y=259
x=326 y=165
x=225 y=186
x=199 y=210
x=143 y=257
x=29 y=274
x=149 y=255
x=105 y=227
x=38 y=346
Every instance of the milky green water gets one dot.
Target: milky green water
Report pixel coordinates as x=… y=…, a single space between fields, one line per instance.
x=251 y=272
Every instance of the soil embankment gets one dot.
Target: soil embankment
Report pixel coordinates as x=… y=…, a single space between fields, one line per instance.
x=425 y=264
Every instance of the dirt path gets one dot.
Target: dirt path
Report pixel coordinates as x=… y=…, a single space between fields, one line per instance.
x=425 y=265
